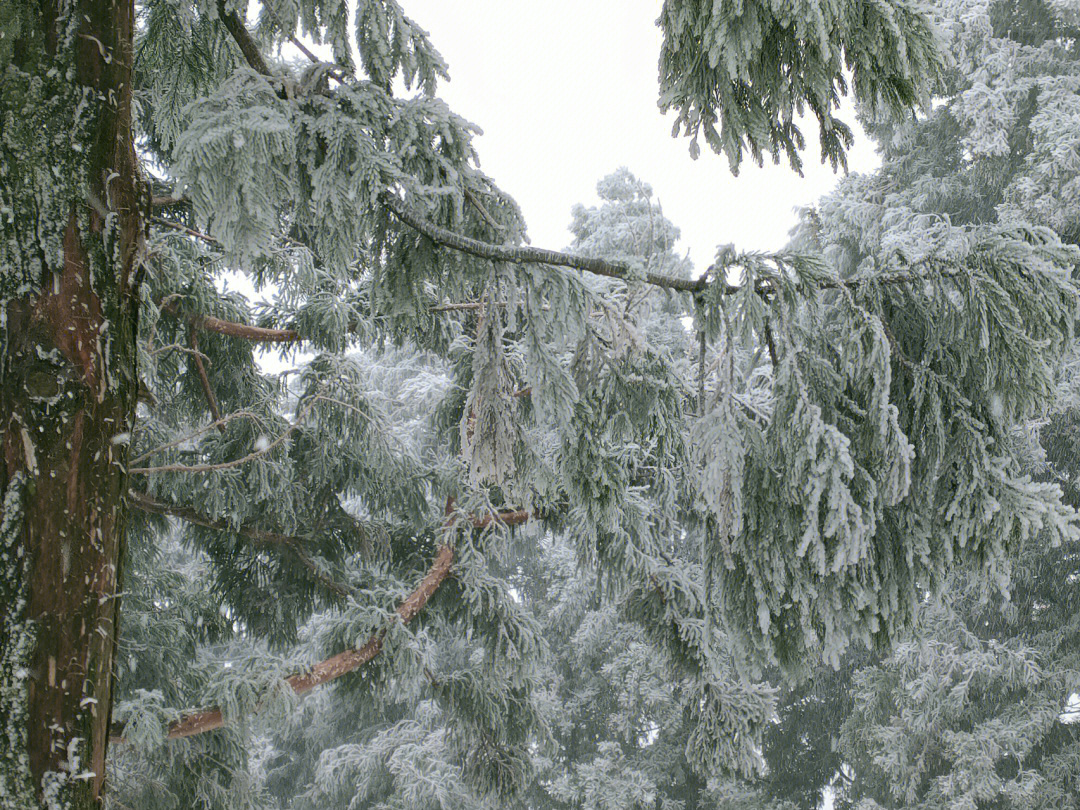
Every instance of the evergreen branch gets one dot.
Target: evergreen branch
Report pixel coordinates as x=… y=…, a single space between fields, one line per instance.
x=243 y=40
x=176 y=226
x=344 y=662
x=146 y=503
x=258 y=334
x=194 y=434
x=204 y=379
x=225 y=465
x=528 y=255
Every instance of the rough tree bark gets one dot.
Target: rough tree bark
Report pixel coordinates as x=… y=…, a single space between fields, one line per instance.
x=71 y=245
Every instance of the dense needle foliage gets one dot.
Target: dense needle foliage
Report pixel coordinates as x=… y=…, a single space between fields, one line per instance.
x=568 y=534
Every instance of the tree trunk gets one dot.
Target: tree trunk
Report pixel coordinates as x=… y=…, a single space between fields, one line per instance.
x=71 y=244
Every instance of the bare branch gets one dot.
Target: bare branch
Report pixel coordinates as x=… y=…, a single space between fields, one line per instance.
x=243 y=40
x=204 y=379
x=527 y=255
x=165 y=202
x=176 y=226
x=259 y=334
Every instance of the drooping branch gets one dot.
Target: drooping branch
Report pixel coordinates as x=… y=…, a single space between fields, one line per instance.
x=348 y=660
x=915 y=272
x=528 y=255
x=204 y=379
x=147 y=503
x=243 y=40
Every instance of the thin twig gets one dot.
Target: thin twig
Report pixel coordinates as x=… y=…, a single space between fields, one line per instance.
x=213 y=240
x=195 y=434
x=474 y=201
x=225 y=465
x=175 y=347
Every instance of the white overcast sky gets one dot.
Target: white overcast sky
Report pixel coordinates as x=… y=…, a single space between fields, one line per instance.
x=565 y=92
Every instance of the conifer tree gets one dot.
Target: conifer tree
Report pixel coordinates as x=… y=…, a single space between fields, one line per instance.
x=841 y=452
x=972 y=709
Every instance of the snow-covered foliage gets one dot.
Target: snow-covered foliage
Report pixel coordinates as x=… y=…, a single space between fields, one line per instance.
x=972 y=707
x=832 y=437
x=755 y=66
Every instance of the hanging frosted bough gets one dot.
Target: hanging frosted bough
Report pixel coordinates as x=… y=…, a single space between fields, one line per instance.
x=756 y=66
x=888 y=455
x=488 y=432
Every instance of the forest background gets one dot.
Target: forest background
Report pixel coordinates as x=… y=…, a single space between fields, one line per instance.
x=515 y=535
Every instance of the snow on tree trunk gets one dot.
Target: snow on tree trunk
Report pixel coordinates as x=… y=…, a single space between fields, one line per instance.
x=70 y=251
